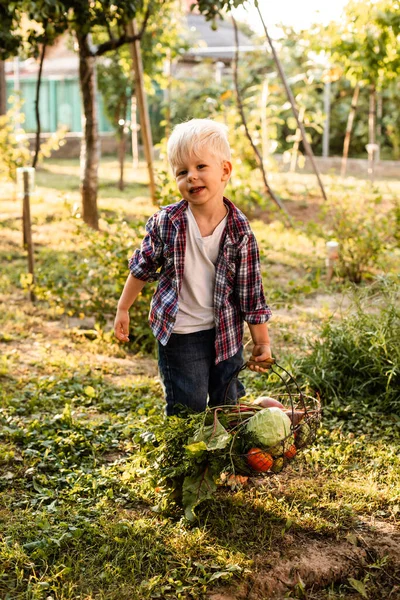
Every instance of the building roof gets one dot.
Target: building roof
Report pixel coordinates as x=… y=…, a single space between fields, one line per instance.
x=206 y=42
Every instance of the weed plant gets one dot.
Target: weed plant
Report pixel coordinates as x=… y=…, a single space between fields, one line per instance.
x=365 y=229
x=357 y=359
x=88 y=282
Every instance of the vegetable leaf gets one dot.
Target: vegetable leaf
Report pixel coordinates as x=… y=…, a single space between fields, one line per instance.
x=196 y=449
x=196 y=489
x=215 y=436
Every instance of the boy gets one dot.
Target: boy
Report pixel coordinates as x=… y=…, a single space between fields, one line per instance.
x=205 y=258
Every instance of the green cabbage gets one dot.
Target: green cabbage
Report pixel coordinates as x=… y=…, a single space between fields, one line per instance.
x=269 y=426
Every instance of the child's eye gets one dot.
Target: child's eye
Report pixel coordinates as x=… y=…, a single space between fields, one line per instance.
x=183 y=172
x=201 y=166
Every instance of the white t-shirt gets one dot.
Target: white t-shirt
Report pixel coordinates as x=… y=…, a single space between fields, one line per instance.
x=196 y=298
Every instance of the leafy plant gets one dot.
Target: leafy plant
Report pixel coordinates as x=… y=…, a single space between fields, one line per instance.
x=14 y=143
x=89 y=282
x=364 y=231
x=358 y=358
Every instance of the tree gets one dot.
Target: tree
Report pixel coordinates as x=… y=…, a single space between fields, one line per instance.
x=9 y=44
x=83 y=19
x=364 y=48
x=160 y=42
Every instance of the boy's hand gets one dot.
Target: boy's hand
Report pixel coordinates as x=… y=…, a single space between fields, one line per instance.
x=121 y=325
x=261 y=352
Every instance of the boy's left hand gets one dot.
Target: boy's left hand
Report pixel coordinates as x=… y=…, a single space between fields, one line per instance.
x=261 y=352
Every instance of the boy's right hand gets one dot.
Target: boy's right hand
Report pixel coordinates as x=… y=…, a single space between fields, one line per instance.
x=121 y=325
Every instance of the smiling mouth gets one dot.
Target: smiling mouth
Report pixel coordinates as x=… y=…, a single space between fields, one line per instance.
x=195 y=190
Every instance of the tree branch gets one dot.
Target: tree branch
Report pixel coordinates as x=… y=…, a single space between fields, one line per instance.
x=244 y=121
x=37 y=98
x=113 y=44
x=291 y=99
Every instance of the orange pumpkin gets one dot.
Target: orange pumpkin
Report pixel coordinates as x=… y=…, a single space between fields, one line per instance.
x=290 y=452
x=259 y=460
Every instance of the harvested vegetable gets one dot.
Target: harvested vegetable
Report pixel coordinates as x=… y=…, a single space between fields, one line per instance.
x=278 y=465
x=259 y=460
x=291 y=452
x=303 y=435
x=190 y=456
x=268 y=402
x=295 y=416
x=269 y=426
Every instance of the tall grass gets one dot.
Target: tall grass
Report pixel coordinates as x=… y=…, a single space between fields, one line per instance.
x=358 y=358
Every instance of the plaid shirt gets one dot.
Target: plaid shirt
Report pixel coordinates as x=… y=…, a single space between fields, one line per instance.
x=238 y=292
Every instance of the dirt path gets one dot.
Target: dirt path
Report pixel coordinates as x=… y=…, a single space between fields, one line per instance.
x=318 y=563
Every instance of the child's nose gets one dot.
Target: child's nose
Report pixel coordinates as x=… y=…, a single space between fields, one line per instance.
x=191 y=175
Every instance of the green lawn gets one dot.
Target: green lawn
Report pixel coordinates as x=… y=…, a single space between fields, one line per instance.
x=78 y=511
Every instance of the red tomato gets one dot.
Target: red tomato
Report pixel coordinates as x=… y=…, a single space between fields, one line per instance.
x=291 y=452
x=259 y=460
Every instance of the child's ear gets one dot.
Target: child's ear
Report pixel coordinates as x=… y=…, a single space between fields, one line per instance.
x=226 y=170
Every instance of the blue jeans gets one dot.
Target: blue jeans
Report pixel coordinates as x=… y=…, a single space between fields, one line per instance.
x=189 y=373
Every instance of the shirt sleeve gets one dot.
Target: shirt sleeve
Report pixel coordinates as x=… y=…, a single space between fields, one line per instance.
x=145 y=262
x=250 y=290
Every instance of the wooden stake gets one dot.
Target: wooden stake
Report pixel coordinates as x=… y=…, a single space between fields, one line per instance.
x=28 y=231
x=136 y=56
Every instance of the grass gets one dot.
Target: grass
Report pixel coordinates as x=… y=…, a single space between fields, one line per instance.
x=77 y=512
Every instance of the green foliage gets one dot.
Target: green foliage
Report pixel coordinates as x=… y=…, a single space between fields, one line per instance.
x=14 y=143
x=14 y=146
x=89 y=282
x=9 y=21
x=364 y=231
x=356 y=361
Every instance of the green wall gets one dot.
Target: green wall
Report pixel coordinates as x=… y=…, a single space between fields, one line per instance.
x=60 y=104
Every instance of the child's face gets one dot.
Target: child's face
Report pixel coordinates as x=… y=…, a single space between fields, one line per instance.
x=202 y=179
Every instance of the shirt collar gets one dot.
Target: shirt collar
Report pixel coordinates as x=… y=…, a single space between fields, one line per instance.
x=237 y=224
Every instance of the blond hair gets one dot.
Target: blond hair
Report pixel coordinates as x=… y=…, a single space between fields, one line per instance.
x=196 y=135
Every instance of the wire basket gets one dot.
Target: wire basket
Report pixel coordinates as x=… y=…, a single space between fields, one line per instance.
x=304 y=412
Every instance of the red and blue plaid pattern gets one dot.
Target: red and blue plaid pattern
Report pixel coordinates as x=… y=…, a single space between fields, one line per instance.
x=238 y=293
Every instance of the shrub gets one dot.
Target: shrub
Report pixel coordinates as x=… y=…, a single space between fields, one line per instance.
x=88 y=282
x=364 y=231
x=358 y=358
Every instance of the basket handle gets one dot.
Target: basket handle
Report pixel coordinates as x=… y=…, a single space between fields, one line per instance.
x=264 y=364
x=268 y=364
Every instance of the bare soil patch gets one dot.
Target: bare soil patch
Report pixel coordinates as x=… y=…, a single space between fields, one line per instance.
x=318 y=563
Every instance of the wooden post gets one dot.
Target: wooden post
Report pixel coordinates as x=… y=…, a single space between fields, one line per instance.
x=3 y=88
x=28 y=228
x=327 y=111
x=349 y=128
x=136 y=56
x=332 y=255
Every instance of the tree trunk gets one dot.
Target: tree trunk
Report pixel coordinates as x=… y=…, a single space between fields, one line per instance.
x=379 y=115
x=167 y=93
x=90 y=139
x=121 y=158
x=327 y=111
x=371 y=132
x=307 y=147
x=143 y=109
x=37 y=111
x=134 y=131
x=349 y=127
x=3 y=89
x=258 y=156
x=122 y=145
x=295 y=150
x=264 y=122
